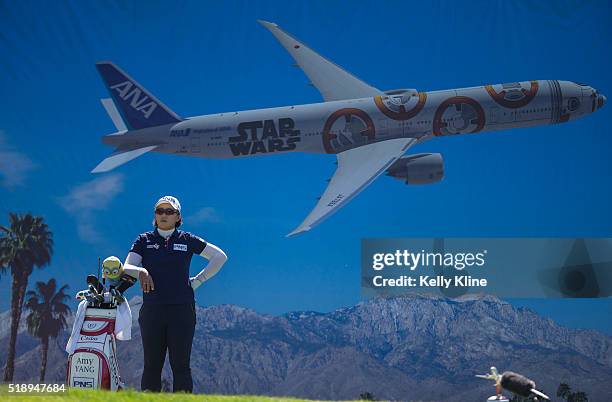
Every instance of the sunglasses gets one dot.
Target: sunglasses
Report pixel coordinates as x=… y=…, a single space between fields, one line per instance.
x=167 y=211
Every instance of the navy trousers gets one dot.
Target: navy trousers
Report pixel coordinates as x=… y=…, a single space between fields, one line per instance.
x=167 y=327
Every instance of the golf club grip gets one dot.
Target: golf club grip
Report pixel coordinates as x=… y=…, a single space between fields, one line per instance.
x=92 y=280
x=126 y=283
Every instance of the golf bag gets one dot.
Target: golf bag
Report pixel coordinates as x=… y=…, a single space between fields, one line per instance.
x=94 y=361
x=103 y=316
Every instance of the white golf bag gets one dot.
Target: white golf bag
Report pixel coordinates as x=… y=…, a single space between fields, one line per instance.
x=94 y=361
x=102 y=317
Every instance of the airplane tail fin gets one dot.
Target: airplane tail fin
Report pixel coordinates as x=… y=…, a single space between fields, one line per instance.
x=134 y=107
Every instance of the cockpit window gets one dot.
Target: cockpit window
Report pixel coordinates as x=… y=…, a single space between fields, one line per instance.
x=573 y=104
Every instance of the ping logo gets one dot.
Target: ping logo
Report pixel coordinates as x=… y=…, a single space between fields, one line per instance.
x=82 y=382
x=137 y=99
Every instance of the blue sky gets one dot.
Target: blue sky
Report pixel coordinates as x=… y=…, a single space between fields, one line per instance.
x=201 y=58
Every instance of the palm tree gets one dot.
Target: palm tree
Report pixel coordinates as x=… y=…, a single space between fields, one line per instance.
x=26 y=243
x=47 y=315
x=580 y=397
x=564 y=391
x=366 y=396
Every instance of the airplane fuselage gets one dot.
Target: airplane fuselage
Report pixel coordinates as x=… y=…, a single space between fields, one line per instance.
x=367 y=129
x=333 y=127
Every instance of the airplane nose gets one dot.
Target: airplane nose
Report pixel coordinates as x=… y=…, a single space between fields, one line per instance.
x=601 y=100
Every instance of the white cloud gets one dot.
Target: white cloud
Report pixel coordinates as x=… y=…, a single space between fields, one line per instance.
x=86 y=198
x=206 y=214
x=93 y=195
x=14 y=165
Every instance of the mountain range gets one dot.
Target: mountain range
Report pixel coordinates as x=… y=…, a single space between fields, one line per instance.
x=410 y=348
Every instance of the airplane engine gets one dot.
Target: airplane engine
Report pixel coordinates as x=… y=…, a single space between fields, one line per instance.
x=418 y=169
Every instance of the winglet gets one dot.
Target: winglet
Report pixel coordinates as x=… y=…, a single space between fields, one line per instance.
x=298 y=230
x=267 y=24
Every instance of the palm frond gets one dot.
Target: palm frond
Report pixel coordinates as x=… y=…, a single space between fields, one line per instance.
x=47 y=310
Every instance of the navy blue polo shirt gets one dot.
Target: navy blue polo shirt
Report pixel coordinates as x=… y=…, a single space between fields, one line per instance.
x=168 y=264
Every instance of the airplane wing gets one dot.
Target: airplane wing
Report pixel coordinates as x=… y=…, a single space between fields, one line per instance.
x=357 y=168
x=331 y=80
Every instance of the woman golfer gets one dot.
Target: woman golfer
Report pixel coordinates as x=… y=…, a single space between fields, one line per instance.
x=167 y=316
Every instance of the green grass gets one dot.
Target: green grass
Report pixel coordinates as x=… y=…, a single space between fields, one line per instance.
x=132 y=395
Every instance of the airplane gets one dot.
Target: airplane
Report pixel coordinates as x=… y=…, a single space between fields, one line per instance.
x=368 y=129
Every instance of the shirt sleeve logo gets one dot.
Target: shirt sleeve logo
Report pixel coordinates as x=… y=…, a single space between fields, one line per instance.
x=180 y=247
